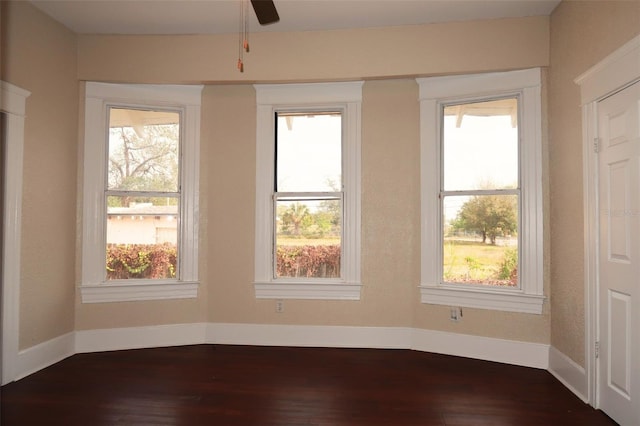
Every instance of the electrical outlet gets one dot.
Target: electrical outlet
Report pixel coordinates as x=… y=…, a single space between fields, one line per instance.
x=455 y=314
x=279 y=306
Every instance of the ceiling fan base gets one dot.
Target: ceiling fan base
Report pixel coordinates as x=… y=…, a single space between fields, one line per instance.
x=265 y=11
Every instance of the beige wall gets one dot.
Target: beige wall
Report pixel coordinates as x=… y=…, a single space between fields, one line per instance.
x=390 y=164
x=390 y=177
x=319 y=55
x=579 y=35
x=582 y=33
x=39 y=55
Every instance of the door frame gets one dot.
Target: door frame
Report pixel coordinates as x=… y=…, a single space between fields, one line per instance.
x=614 y=73
x=13 y=104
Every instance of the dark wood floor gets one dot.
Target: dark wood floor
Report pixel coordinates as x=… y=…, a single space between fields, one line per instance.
x=244 y=385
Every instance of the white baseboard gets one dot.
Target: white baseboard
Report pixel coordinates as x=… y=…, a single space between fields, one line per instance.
x=490 y=349
x=514 y=352
x=113 y=339
x=308 y=335
x=570 y=374
x=44 y=354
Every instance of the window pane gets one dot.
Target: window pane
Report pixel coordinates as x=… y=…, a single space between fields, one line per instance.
x=480 y=145
x=308 y=238
x=309 y=152
x=142 y=236
x=143 y=150
x=480 y=242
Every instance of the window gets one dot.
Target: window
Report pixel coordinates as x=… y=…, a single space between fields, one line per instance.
x=140 y=229
x=308 y=191
x=482 y=191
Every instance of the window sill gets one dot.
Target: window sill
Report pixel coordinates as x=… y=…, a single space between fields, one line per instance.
x=482 y=298
x=136 y=291
x=308 y=290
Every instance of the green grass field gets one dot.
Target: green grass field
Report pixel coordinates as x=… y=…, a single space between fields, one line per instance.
x=473 y=262
x=470 y=262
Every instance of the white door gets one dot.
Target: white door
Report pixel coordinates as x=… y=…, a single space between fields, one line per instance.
x=619 y=256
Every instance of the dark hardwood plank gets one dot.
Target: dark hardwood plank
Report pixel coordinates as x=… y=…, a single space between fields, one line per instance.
x=246 y=385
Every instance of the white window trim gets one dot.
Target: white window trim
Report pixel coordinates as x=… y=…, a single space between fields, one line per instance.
x=347 y=97
x=13 y=102
x=99 y=96
x=434 y=92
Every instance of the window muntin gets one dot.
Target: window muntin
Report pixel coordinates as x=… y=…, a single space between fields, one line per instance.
x=480 y=193
x=307 y=196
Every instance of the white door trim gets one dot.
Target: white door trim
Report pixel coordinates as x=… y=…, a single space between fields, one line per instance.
x=13 y=103
x=612 y=74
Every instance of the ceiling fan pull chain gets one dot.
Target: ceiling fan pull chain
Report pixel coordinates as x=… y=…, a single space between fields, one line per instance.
x=243 y=33
x=245 y=45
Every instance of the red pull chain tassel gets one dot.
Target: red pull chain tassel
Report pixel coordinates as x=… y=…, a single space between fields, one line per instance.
x=240 y=65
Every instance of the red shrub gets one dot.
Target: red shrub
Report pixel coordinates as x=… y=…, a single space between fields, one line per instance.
x=141 y=261
x=321 y=261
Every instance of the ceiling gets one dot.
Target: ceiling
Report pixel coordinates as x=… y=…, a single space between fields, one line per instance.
x=222 y=16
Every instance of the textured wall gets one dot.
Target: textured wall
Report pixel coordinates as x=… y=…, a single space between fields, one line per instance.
x=39 y=55
x=582 y=34
x=319 y=55
x=390 y=165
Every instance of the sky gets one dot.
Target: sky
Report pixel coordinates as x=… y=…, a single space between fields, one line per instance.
x=483 y=150
x=309 y=155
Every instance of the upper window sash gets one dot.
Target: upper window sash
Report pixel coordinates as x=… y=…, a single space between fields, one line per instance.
x=98 y=98
x=436 y=92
